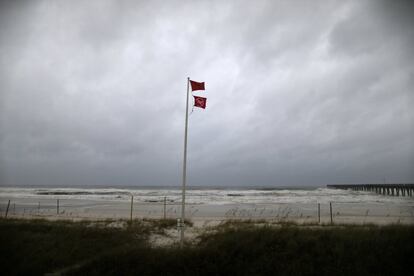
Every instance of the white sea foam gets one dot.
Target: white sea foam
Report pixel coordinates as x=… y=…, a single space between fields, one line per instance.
x=207 y=196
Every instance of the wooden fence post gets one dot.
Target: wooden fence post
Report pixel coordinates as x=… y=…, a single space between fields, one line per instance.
x=57 y=206
x=132 y=206
x=319 y=213
x=7 y=209
x=165 y=207
x=330 y=208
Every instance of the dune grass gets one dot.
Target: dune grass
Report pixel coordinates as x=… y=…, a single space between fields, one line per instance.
x=233 y=248
x=34 y=247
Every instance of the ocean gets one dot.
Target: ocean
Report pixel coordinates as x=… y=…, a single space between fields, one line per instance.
x=207 y=203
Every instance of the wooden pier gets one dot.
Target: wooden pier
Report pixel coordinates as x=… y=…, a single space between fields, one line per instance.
x=384 y=189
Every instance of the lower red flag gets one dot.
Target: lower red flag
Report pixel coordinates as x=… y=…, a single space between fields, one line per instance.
x=200 y=102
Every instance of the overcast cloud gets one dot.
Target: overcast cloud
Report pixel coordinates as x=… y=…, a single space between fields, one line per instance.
x=299 y=92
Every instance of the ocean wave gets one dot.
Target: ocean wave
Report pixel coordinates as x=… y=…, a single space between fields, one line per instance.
x=205 y=196
x=82 y=193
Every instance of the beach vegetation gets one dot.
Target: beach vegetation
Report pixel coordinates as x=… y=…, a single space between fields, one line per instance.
x=36 y=247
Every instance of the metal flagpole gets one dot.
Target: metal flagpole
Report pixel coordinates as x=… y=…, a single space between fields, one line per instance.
x=182 y=224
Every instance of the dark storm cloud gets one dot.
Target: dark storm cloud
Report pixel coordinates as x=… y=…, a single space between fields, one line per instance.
x=299 y=92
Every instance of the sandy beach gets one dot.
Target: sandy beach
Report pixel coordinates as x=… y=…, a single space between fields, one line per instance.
x=205 y=214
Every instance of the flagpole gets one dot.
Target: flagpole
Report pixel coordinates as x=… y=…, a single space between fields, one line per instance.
x=182 y=224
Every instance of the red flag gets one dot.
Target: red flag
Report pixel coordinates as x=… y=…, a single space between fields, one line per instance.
x=200 y=101
x=196 y=85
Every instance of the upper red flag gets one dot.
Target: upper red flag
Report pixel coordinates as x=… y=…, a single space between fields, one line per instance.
x=200 y=101
x=197 y=85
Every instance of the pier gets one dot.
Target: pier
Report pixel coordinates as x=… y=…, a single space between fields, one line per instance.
x=383 y=189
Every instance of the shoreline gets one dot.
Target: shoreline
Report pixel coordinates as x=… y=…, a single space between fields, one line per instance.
x=211 y=206
x=206 y=221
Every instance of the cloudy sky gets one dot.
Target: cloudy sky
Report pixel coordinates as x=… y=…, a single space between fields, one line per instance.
x=299 y=92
